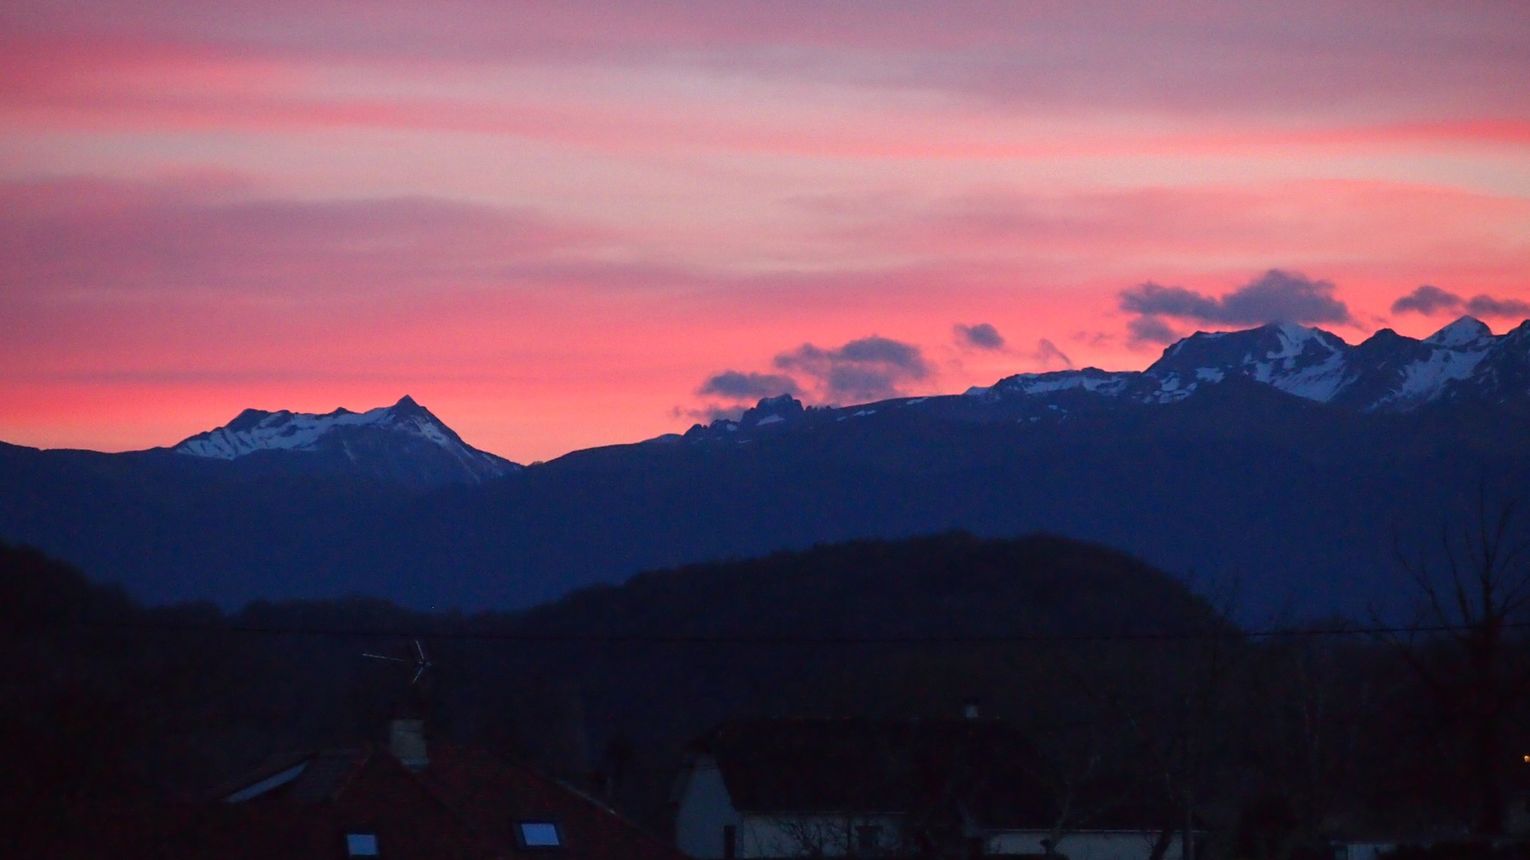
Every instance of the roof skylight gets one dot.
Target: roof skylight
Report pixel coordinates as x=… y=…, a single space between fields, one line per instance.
x=361 y=845
x=539 y=834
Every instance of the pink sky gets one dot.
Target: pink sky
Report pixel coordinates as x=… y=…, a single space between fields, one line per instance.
x=553 y=223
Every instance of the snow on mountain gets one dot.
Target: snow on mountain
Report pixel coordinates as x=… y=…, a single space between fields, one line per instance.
x=1090 y=379
x=402 y=440
x=1302 y=361
x=772 y=410
x=1464 y=333
x=1503 y=371
x=257 y=430
x=1429 y=376
x=1388 y=372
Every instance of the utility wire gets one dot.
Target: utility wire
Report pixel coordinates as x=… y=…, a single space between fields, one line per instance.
x=773 y=639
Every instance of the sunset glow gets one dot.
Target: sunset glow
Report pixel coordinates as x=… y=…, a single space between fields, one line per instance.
x=554 y=224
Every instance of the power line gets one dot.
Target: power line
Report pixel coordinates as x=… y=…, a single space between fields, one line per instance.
x=776 y=639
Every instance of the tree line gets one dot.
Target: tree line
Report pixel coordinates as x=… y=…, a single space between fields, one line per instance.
x=1144 y=698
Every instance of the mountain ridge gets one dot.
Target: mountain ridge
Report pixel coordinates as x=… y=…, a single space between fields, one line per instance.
x=1238 y=480
x=404 y=442
x=1386 y=372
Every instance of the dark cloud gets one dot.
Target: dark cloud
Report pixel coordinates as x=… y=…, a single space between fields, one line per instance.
x=1427 y=299
x=1274 y=296
x=1149 y=330
x=979 y=335
x=1050 y=356
x=167 y=238
x=1000 y=54
x=1151 y=298
x=870 y=368
x=738 y=385
x=708 y=413
x=1488 y=306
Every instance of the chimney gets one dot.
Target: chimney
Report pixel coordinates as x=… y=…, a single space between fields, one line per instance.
x=406 y=741
x=970 y=708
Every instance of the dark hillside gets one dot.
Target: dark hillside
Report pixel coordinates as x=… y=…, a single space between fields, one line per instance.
x=186 y=694
x=1094 y=655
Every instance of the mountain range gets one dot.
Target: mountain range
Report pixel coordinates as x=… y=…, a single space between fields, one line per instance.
x=403 y=444
x=1388 y=373
x=1278 y=464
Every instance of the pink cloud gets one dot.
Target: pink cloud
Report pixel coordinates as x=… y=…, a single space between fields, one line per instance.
x=96 y=235
x=846 y=84
x=664 y=123
x=549 y=225
x=1317 y=220
x=1129 y=55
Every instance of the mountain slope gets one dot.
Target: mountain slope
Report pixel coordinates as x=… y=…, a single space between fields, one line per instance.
x=402 y=443
x=1280 y=459
x=1387 y=372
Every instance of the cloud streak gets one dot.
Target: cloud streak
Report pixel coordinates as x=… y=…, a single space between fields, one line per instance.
x=1149 y=330
x=857 y=371
x=1275 y=296
x=869 y=368
x=1049 y=356
x=445 y=191
x=100 y=235
x=1429 y=300
x=1010 y=56
x=738 y=385
x=978 y=336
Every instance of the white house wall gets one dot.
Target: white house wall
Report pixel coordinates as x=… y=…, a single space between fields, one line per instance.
x=783 y=835
x=1085 y=845
x=1365 y=850
x=705 y=809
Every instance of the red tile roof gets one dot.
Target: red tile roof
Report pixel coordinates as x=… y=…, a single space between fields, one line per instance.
x=464 y=804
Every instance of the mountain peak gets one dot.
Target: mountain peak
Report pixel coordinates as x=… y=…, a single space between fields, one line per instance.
x=391 y=435
x=1296 y=338
x=408 y=406
x=248 y=418
x=771 y=410
x=1290 y=329
x=1463 y=332
x=779 y=402
x=1264 y=353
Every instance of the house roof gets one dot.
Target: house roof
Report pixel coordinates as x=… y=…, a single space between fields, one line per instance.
x=982 y=767
x=484 y=788
x=464 y=804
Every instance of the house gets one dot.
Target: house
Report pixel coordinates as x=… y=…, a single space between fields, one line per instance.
x=857 y=787
x=1362 y=848
x=405 y=801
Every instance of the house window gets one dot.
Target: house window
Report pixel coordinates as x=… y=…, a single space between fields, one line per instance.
x=868 y=837
x=361 y=845
x=730 y=842
x=539 y=834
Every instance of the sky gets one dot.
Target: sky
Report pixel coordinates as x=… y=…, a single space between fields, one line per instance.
x=566 y=225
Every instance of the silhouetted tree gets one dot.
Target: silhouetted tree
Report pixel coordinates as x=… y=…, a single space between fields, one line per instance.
x=1472 y=592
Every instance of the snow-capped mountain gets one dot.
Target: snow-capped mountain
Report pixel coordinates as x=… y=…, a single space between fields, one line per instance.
x=403 y=442
x=1306 y=362
x=1388 y=372
x=1210 y=460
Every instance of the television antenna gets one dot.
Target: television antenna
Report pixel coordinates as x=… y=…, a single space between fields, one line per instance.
x=420 y=662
